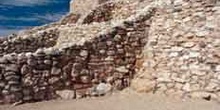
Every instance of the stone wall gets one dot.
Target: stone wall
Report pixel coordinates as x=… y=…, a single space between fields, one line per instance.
x=109 y=57
x=28 y=42
x=182 y=57
x=84 y=6
x=169 y=47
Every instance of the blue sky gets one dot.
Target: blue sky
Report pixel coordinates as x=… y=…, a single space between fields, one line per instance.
x=16 y=15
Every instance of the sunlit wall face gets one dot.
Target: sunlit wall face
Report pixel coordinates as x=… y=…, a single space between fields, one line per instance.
x=16 y=15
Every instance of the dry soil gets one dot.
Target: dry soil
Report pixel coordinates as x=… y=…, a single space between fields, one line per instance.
x=121 y=101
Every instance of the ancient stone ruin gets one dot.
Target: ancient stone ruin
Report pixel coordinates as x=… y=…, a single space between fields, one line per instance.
x=160 y=46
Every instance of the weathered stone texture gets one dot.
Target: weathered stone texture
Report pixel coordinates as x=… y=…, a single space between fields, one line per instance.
x=86 y=60
x=170 y=47
x=84 y=6
x=182 y=54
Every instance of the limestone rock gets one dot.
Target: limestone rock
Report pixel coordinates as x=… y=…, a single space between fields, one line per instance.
x=143 y=85
x=103 y=88
x=12 y=68
x=66 y=94
x=122 y=69
x=56 y=71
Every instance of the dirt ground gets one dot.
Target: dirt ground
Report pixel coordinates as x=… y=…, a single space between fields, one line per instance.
x=121 y=101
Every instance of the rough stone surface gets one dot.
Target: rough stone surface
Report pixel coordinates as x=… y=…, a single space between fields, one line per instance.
x=169 y=47
x=182 y=51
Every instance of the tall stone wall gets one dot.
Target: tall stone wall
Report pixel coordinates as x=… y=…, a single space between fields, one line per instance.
x=182 y=56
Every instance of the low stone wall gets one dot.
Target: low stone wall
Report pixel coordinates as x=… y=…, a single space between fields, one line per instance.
x=108 y=58
x=31 y=42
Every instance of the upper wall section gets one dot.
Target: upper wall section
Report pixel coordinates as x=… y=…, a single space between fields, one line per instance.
x=28 y=41
x=82 y=6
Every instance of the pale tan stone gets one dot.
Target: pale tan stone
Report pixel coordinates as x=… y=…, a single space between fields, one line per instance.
x=143 y=85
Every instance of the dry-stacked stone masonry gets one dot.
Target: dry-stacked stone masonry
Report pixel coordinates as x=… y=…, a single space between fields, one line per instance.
x=79 y=65
x=83 y=6
x=172 y=46
x=30 y=43
x=182 y=56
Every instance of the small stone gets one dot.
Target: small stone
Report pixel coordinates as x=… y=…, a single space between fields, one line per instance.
x=47 y=62
x=110 y=52
x=5 y=92
x=85 y=79
x=31 y=62
x=122 y=69
x=29 y=55
x=27 y=98
x=56 y=71
x=28 y=81
x=66 y=94
x=164 y=79
x=84 y=72
x=12 y=67
x=109 y=58
x=173 y=54
x=177 y=49
x=202 y=33
x=2 y=84
x=194 y=54
x=217 y=68
x=10 y=73
x=26 y=91
x=25 y=69
x=186 y=87
x=109 y=43
x=12 y=57
x=40 y=52
x=178 y=2
x=143 y=85
x=199 y=73
x=179 y=86
x=3 y=60
x=39 y=95
x=13 y=82
x=53 y=52
x=12 y=77
x=103 y=88
x=15 y=88
x=179 y=80
x=22 y=58
x=188 y=44
x=102 y=51
x=54 y=80
x=84 y=53
x=67 y=68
